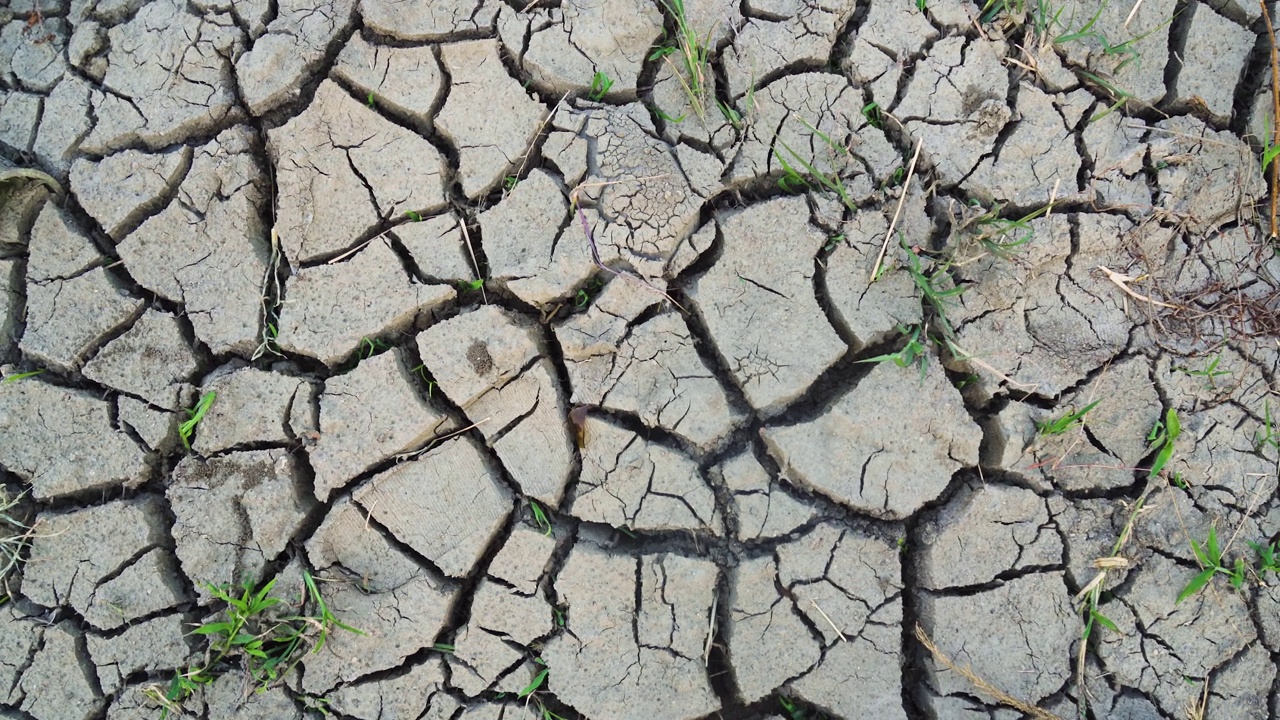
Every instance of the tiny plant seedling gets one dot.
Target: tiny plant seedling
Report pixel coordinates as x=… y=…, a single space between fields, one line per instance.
x=540 y=517
x=471 y=284
x=413 y=215
x=1267 y=561
x=938 y=297
x=1210 y=557
x=731 y=115
x=421 y=371
x=370 y=101
x=372 y=346
x=1208 y=372
x=914 y=350
x=21 y=376
x=600 y=84
x=510 y=182
x=1268 y=435
x=1069 y=421
x=195 y=415
x=871 y=113
x=445 y=648
x=1163 y=436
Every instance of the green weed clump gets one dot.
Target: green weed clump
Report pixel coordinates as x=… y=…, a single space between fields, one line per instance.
x=195 y=415
x=694 y=52
x=15 y=534
x=268 y=645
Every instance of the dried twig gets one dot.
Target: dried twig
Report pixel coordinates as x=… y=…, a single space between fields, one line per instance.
x=1120 y=280
x=711 y=632
x=980 y=683
x=906 y=185
x=827 y=617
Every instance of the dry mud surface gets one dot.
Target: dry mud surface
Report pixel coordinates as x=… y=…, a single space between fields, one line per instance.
x=574 y=393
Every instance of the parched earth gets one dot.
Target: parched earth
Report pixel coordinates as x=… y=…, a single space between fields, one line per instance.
x=579 y=388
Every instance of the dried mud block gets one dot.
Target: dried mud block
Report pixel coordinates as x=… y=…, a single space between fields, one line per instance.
x=1213 y=61
x=886 y=447
x=234 y=514
x=168 y=77
x=955 y=105
x=403 y=695
x=19 y=119
x=1145 y=29
x=1218 y=448
x=71 y=303
x=629 y=482
x=11 y=302
x=20 y=638
x=251 y=406
x=655 y=372
x=628 y=652
x=842 y=584
x=492 y=364
x=65 y=122
x=291 y=52
x=645 y=197
x=67 y=319
x=523 y=559
x=152 y=360
x=85 y=552
x=58 y=249
x=1205 y=178
x=759 y=304
x=433 y=21
x=332 y=308
x=1018 y=636
x=486 y=647
x=404 y=80
x=226 y=700
x=764 y=509
x=121 y=190
x=154 y=646
x=34 y=56
x=563 y=47
x=1036 y=162
x=209 y=248
x=871 y=311
x=366 y=416
x=481 y=87
x=158 y=429
x=522 y=233
x=901 y=29
x=63 y=442
x=342 y=169
x=399 y=605
x=57 y=683
x=20 y=205
x=1128 y=406
x=1040 y=324
x=789 y=118
x=447 y=505
x=796 y=34
x=1013 y=527
x=1242 y=688
x=438 y=248
x=1162 y=641
x=1116 y=147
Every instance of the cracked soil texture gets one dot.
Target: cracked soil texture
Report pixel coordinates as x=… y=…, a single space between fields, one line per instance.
x=561 y=359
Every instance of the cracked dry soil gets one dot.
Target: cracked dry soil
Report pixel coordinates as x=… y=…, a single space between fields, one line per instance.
x=441 y=293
